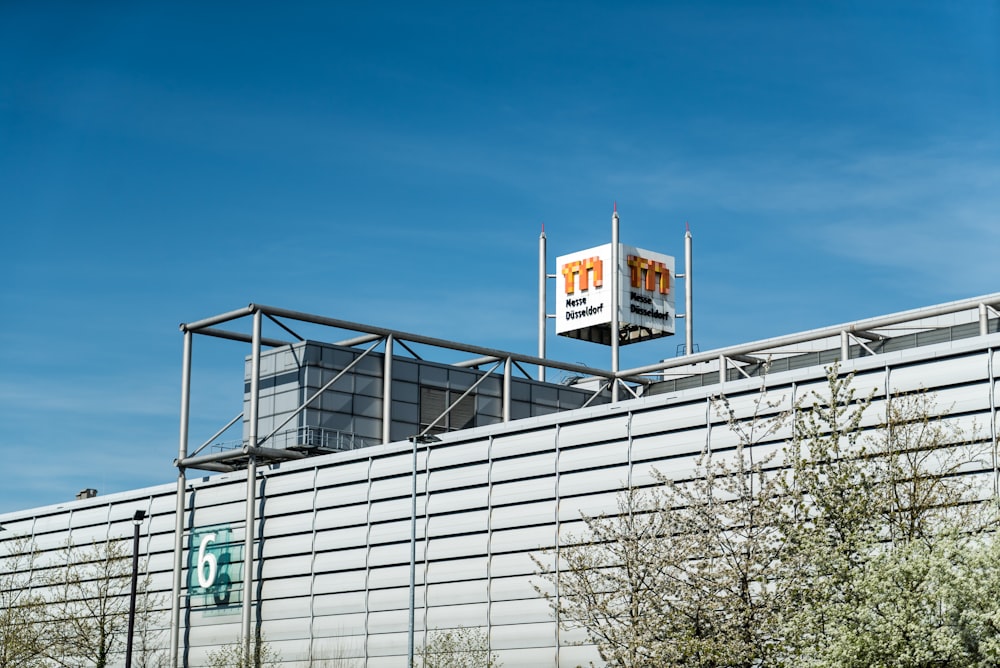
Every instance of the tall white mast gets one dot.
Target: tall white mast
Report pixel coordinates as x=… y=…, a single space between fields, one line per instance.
x=541 y=302
x=615 y=270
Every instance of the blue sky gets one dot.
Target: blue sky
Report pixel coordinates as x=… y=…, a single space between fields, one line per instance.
x=392 y=163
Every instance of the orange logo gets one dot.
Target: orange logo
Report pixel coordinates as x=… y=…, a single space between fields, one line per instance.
x=582 y=268
x=650 y=274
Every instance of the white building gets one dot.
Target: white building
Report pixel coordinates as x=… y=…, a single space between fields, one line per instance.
x=360 y=523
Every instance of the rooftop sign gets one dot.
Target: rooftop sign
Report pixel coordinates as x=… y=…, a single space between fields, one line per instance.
x=584 y=300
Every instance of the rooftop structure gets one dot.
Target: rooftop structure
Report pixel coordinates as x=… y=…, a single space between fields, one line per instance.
x=355 y=533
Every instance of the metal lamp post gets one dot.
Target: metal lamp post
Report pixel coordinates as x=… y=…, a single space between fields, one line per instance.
x=137 y=519
x=423 y=438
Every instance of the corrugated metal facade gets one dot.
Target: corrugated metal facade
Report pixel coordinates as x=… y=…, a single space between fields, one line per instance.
x=333 y=532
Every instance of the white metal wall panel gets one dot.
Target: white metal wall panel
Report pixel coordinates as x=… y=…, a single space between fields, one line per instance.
x=333 y=605
x=532 y=627
x=523 y=491
x=682 y=416
x=675 y=468
x=540 y=512
x=585 y=482
x=457 y=593
x=528 y=466
x=582 y=433
x=390 y=533
x=338 y=581
x=674 y=444
x=397 y=465
x=348 y=514
x=527 y=658
x=571 y=533
x=389 y=621
x=466 y=453
x=297 y=607
x=454 y=570
x=594 y=456
x=517 y=563
x=573 y=657
x=287 y=567
x=928 y=374
x=451 y=478
x=961 y=399
x=528 y=538
x=388 y=645
x=272 y=587
x=286 y=504
x=451 y=501
x=490 y=500
x=228 y=514
x=454 y=547
x=345 y=472
x=456 y=523
x=395 y=577
x=443 y=616
x=515 y=588
x=591 y=505
x=521 y=443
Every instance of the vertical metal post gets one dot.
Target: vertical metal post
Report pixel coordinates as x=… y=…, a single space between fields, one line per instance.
x=990 y=357
x=723 y=367
x=182 y=449
x=508 y=369
x=413 y=558
x=845 y=346
x=137 y=520
x=387 y=391
x=541 y=302
x=248 y=539
x=688 y=294
x=615 y=271
x=984 y=320
x=131 y=599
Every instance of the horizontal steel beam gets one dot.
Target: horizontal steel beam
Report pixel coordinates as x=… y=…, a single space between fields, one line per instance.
x=428 y=340
x=816 y=334
x=240 y=336
x=217 y=319
x=870 y=336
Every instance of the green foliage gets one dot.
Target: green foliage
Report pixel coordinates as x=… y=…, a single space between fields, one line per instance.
x=256 y=654
x=89 y=613
x=881 y=535
x=863 y=547
x=23 y=636
x=88 y=607
x=682 y=574
x=462 y=647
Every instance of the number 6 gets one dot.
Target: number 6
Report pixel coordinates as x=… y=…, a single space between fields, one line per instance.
x=206 y=580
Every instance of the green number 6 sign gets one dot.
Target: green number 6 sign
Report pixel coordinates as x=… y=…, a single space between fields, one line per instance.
x=214 y=565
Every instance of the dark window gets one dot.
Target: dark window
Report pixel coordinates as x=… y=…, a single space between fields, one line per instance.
x=434 y=402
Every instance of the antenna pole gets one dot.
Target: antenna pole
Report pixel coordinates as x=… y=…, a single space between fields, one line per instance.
x=615 y=271
x=688 y=293
x=541 y=303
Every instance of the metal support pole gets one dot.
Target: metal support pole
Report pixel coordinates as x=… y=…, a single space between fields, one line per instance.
x=508 y=368
x=387 y=391
x=723 y=366
x=541 y=302
x=615 y=279
x=991 y=355
x=136 y=520
x=248 y=539
x=688 y=293
x=413 y=557
x=175 y=611
x=984 y=320
x=845 y=346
